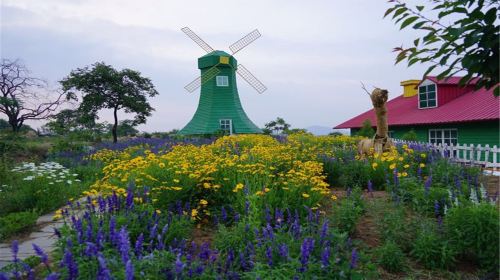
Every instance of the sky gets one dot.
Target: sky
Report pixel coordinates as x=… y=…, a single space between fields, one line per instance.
x=312 y=55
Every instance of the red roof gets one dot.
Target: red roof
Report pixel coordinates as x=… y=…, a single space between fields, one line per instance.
x=449 y=81
x=473 y=106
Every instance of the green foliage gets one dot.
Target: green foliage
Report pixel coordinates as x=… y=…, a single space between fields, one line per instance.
x=25 y=190
x=410 y=136
x=474 y=231
x=347 y=211
x=276 y=127
x=15 y=223
x=431 y=249
x=391 y=257
x=354 y=174
x=464 y=36
x=366 y=129
x=393 y=227
x=103 y=87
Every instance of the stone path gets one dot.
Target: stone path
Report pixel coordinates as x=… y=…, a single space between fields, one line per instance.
x=44 y=237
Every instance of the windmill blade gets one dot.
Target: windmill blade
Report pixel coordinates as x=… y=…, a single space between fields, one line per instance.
x=251 y=79
x=207 y=76
x=245 y=41
x=197 y=39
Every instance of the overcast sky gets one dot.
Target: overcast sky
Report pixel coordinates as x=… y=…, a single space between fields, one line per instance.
x=312 y=54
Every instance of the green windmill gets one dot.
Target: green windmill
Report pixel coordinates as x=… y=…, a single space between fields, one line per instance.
x=219 y=108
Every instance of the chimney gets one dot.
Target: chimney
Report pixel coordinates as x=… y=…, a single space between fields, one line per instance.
x=410 y=87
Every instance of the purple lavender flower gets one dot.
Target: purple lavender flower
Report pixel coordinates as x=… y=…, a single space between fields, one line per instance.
x=268 y=215
x=354 y=258
x=112 y=229
x=305 y=252
x=324 y=230
x=179 y=265
x=427 y=185
x=40 y=253
x=3 y=276
x=103 y=271
x=15 y=250
x=269 y=255
x=69 y=262
x=223 y=214
x=247 y=207
x=370 y=188
x=52 y=276
x=283 y=251
x=325 y=257
x=138 y=245
x=90 y=249
x=124 y=244
x=57 y=233
x=129 y=270
x=436 y=208
x=129 y=202
x=419 y=174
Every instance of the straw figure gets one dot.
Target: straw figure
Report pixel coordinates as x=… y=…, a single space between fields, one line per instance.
x=380 y=141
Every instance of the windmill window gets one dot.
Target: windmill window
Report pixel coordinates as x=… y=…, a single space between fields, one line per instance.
x=427 y=96
x=222 y=81
x=226 y=125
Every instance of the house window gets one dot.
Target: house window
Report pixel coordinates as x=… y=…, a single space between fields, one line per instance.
x=427 y=96
x=443 y=136
x=222 y=81
x=226 y=125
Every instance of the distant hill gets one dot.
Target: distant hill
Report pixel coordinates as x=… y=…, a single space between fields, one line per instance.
x=325 y=130
x=319 y=130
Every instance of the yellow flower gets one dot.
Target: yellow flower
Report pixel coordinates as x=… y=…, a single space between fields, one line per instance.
x=161 y=165
x=333 y=197
x=400 y=158
x=260 y=193
x=203 y=202
x=374 y=165
x=266 y=190
x=238 y=187
x=305 y=195
x=176 y=188
x=404 y=174
x=194 y=213
x=158 y=211
x=422 y=165
x=406 y=166
x=176 y=181
x=392 y=166
x=422 y=155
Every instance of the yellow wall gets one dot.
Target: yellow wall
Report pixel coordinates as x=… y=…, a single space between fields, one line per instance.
x=410 y=87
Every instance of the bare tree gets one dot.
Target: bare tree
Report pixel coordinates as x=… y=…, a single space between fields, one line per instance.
x=23 y=97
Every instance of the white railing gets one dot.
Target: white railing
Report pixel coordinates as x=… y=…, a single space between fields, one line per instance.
x=470 y=154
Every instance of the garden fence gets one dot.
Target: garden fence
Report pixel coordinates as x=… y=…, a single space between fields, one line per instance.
x=468 y=154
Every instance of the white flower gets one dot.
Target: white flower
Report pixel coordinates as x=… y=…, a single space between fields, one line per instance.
x=69 y=182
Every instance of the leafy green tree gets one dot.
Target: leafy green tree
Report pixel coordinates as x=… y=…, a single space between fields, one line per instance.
x=366 y=129
x=104 y=87
x=463 y=36
x=335 y=133
x=278 y=126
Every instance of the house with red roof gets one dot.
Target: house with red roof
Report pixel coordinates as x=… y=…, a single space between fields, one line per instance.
x=439 y=111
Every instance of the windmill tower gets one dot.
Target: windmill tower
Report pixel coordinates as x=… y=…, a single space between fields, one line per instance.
x=219 y=107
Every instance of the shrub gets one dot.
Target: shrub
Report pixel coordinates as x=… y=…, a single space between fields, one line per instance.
x=393 y=227
x=431 y=249
x=390 y=257
x=474 y=231
x=366 y=129
x=15 y=223
x=348 y=211
x=410 y=136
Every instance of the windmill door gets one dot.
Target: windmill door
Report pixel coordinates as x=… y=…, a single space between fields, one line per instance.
x=226 y=125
